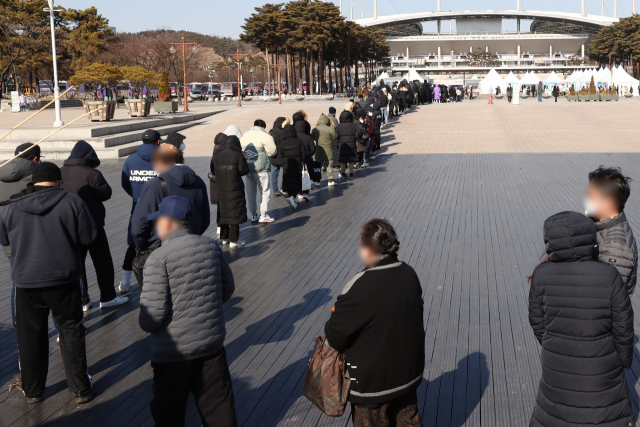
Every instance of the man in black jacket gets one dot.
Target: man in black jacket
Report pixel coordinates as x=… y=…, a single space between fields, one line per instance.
x=606 y=197
x=80 y=177
x=276 y=163
x=46 y=227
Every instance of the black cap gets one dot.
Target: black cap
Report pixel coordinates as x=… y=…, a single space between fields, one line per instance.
x=46 y=171
x=150 y=136
x=35 y=150
x=176 y=139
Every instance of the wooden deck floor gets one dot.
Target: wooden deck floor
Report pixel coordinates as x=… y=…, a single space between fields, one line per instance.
x=469 y=224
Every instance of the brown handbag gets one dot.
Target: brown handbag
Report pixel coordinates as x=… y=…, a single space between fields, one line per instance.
x=327 y=381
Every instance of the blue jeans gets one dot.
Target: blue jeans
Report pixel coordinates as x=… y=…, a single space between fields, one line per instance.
x=385 y=115
x=275 y=172
x=539 y=97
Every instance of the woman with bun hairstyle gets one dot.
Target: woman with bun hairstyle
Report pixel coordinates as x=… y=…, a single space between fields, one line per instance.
x=377 y=324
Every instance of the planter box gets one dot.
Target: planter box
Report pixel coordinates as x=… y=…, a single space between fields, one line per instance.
x=573 y=98
x=583 y=98
x=299 y=98
x=606 y=98
x=138 y=107
x=546 y=96
x=274 y=98
x=103 y=115
x=523 y=96
x=499 y=96
x=165 y=107
x=247 y=98
x=595 y=97
x=628 y=95
x=329 y=98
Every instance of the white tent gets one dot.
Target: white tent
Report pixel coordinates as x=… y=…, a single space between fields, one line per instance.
x=512 y=79
x=621 y=78
x=413 y=75
x=553 y=79
x=384 y=76
x=474 y=77
x=530 y=79
x=492 y=80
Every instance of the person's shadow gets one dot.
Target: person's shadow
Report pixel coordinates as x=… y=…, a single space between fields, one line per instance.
x=452 y=398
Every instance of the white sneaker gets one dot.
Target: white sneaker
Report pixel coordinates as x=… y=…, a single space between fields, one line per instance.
x=292 y=203
x=306 y=197
x=331 y=183
x=340 y=176
x=317 y=184
x=300 y=198
x=255 y=218
x=224 y=242
x=218 y=231
x=87 y=306
x=58 y=339
x=119 y=300
x=237 y=244
x=266 y=218
x=124 y=289
x=365 y=165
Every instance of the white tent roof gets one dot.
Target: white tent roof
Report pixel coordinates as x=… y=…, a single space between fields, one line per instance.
x=530 y=79
x=553 y=78
x=474 y=77
x=511 y=78
x=384 y=76
x=413 y=75
x=620 y=77
x=492 y=80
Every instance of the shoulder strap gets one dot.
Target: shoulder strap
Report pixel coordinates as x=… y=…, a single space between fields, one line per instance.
x=165 y=189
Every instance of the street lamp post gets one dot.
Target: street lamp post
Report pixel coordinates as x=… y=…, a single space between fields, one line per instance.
x=184 y=45
x=56 y=88
x=237 y=56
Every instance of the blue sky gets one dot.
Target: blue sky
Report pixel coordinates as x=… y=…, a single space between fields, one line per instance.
x=224 y=18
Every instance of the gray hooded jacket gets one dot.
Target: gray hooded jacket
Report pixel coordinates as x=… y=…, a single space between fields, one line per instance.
x=618 y=248
x=186 y=281
x=15 y=176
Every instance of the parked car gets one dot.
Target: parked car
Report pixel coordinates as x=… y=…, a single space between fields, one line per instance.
x=196 y=94
x=215 y=94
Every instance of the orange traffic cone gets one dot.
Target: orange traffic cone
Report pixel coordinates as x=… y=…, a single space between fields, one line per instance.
x=490 y=99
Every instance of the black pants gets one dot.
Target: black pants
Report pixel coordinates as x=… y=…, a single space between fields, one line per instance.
x=32 y=312
x=128 y=258
x=218 y=216
x=400 y=412
x=230 y=232
x=207 y=378
x=102 y=262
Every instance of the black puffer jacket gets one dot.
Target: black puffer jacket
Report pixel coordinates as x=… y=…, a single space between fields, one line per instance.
x=581 y=314
x=218 y=141
x=348 y=134
x=293 y=156
x=307 y=140
x=80 y=177
x=230 y=166
x=618 y=248
x=278 y=136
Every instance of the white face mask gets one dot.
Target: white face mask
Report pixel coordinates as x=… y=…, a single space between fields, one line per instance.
x=361 y=121
x=590 y=208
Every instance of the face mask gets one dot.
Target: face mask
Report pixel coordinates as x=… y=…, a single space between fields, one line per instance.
x=361 y=121
x=590 y=208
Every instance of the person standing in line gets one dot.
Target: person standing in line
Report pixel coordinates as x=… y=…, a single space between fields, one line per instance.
x=605 y=200
x=380 y=311
x=46 y=228
x=174 y=178
x=187 y=333
x=259 y=148
x=324 y=134
x=293 y=155
x=218 y=141
x=540 y=91
x=580 y=313
x=347 y=134
x=230 y=165
x=332 y=117
x=80 y=177
x=23 y=103
x=384 y=106
x=509 y=92
x=277 y=133
x=136 y=171
x=436 y=93
x=556 y=92
x=301 y=125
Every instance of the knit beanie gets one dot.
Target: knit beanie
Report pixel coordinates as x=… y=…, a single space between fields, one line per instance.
x=46 y=172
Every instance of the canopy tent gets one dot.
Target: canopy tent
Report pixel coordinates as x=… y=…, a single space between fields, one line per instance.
x=384 y=76
x=620 y=77
x=530 y=79
x=474 y=77
x=553 y=79
x=413 y=75
x=512 y=79
x=492 y=80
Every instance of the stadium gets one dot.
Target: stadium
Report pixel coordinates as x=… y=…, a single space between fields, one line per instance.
x=543 y=41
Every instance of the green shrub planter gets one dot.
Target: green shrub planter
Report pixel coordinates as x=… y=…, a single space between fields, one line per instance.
x=573 y=98
x=165 y=107
x=595 y=97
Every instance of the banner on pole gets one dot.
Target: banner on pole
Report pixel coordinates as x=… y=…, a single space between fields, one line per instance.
x=15 y=101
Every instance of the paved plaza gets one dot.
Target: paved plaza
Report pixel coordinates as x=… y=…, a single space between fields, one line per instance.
x=467 y=187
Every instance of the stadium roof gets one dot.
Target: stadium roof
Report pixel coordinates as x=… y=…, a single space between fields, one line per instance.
x=552 y=16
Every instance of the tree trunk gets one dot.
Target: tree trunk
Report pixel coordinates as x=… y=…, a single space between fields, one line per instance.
x=330 y=79
x=266 y=82
x=288 y=78
x=356 y=82
x=320 y=71
x=306 y=72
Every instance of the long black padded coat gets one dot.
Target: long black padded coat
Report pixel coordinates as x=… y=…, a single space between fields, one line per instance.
x=580 y=313
x=218 y=141
x=293 y=155
x=230 y=166
x=348 y=133
x=277 y=133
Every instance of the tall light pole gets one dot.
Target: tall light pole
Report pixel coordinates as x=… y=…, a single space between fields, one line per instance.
x=237 y=56
x=56 y=88
x=172 y=49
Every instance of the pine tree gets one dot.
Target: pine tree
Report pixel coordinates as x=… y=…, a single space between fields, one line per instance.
x=164 y=90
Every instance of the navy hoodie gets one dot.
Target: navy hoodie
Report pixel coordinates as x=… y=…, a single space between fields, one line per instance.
x=137 y=170
x=46 y=226
x=181 y=181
